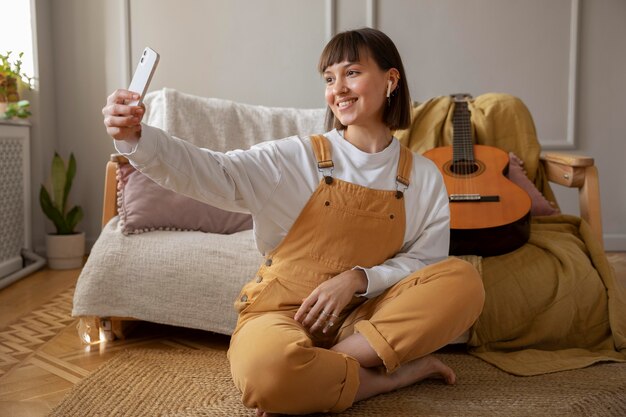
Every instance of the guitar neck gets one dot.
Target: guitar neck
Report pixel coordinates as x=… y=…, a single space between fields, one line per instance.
x=462 y=143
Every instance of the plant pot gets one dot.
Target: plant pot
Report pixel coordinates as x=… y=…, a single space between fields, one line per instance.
x=12 y=89
x=65 y=251
x=3 y=108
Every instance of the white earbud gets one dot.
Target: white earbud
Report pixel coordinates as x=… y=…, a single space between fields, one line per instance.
x=389 y=88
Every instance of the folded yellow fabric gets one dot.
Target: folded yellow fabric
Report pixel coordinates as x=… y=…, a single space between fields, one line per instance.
x=553 y=304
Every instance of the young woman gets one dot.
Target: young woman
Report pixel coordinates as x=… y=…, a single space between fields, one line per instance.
x=356 y=290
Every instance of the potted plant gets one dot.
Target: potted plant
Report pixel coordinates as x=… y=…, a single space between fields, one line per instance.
x=12 y=79
x=65 y=248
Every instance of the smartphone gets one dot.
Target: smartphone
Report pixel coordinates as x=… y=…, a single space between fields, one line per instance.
x=143 y=74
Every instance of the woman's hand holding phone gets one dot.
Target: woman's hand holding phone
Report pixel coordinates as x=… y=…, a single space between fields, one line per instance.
x=123 y=121
x=124 y=109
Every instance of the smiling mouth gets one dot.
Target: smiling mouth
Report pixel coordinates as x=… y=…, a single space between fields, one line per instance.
x=346 y=103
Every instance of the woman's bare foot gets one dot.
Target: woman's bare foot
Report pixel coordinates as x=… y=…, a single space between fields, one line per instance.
x=374 y=383
x=423 y=368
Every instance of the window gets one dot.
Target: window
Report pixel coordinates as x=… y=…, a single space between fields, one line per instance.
x=16 y=33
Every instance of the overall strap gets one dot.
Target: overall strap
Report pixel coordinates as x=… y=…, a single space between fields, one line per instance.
x=405 y=166
x=321 y=148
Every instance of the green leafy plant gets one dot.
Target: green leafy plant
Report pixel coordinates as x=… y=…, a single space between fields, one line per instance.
x=55 y=206
x=21 y=110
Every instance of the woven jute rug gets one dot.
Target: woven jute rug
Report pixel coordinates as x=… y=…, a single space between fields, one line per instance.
x=178 y=382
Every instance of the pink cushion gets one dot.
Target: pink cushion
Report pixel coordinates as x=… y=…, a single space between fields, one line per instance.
x=143 y=205
x=539 y=205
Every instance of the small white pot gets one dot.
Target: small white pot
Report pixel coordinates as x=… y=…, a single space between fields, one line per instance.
x=65 y=251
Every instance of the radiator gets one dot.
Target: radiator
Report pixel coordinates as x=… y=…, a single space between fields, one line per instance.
x=15 y=207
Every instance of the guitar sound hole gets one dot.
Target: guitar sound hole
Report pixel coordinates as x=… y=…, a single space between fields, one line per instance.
x=464 y=167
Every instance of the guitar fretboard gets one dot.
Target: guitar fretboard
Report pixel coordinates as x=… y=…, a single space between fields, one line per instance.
x=462 y=145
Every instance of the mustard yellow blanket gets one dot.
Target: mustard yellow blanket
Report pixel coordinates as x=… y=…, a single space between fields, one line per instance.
x=551 y=305
x=554 y=304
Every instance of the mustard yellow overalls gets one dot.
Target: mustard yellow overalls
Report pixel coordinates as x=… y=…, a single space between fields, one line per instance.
x=277 y=364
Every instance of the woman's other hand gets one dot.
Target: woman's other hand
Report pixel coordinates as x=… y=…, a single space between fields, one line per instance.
x=321 y=309
x=123 y=122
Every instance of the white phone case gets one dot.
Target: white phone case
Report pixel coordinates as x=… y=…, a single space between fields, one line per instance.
x=143 y=74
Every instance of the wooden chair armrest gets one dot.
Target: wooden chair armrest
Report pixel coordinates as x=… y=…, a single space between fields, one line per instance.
x=120 y=159
x=564 y=169
x=579 y=172
x=567 y=159
x=109 y=206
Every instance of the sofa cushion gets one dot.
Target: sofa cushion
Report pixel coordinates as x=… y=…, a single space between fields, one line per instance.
x=145 y=206
x=188 y=279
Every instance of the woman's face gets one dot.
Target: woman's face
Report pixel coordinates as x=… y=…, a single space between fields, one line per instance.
x=356 y=92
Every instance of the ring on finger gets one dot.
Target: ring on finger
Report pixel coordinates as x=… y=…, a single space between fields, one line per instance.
x=324 y=313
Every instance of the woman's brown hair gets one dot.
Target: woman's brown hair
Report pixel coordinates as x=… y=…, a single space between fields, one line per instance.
x=348 y=46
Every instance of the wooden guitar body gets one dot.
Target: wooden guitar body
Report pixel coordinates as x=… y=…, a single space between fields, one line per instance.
x=489 y=214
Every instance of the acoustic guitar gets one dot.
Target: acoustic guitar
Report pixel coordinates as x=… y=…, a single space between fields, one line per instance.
x=489 y=214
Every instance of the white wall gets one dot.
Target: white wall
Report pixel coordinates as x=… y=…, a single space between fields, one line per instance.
x=602 y=109
x=265 y=52
x=261 y=52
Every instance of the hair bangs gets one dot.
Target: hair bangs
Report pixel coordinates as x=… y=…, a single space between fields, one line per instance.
x=344 y=47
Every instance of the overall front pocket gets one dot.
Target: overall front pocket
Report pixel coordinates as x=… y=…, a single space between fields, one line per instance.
x=346 y=237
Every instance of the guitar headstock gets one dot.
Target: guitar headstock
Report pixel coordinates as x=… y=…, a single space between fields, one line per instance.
x=461 y=97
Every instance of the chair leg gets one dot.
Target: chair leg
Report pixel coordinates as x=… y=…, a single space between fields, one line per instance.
x=106 y=330
x=88 y=330
x=116 y=328
x=589 y=199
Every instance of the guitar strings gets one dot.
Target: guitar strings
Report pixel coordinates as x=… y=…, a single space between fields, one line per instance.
x=469 y=157
x=465 y=163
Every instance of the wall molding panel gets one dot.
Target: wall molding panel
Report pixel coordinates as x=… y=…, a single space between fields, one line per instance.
x=570 y=141
x=331 y=19
x=371 y=10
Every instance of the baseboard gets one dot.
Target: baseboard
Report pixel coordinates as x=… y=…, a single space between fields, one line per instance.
x=615 y=242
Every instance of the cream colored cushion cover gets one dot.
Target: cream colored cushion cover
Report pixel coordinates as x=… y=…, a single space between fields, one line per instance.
x=188 y=279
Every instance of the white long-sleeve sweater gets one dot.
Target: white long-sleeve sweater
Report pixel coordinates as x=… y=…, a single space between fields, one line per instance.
x=274 y=180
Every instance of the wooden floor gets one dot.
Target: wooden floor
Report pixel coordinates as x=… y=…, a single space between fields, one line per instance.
x=42 y=357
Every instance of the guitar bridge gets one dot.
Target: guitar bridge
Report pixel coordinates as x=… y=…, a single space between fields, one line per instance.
x=473 y=198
